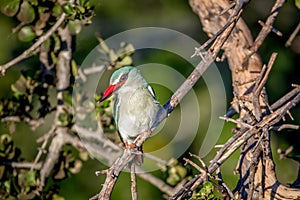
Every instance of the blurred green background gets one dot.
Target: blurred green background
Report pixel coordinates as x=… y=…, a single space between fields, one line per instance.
x=115 y=16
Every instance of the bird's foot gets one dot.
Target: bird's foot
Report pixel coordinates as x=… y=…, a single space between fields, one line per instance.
x=137 y=151
x=132 y=146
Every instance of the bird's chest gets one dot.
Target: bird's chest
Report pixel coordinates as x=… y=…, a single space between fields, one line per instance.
x=135 y=113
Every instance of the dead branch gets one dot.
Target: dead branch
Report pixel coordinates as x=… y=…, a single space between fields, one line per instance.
x=267 y=28
x=252 y=134
x=292 y=36
x=187 y=85
x=259 y=86
x=236 y=142
x=23 y=165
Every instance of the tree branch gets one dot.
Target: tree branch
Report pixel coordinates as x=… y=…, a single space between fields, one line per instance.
x=187 y=85
x=34 y=48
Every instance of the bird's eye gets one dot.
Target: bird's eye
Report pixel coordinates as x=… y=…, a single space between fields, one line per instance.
x=123 y=77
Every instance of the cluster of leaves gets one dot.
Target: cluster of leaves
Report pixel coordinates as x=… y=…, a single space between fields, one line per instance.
x=23 y=183
x=113 y=58
x=21 y=102
x=14 y=183
x=175 y=172
x=70 y=162
x=36 y=16
x=205 y=192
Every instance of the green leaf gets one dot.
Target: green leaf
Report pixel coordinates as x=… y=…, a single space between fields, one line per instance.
x=10 y=7
x=63 y=119
x=68 y=9
x=103 y=45
x=46 y=46
x=19 y=87
x=125 y=61
x=7 y=186
x=74 y=27
x=57 y=197
x=181 y=171
x=81 y=9
x=26 y=34
x=173 y=179
x=30 y=178
x=33 y=2
x=82 y=2
x=57 y=10
x=26 y=14
x=2 y=172
x=74 y=67
x=84 y=155
x=297 y=3
x=68 y=99
x=112 y=56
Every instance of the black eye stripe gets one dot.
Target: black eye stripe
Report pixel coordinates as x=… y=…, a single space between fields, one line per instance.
x=123 y=77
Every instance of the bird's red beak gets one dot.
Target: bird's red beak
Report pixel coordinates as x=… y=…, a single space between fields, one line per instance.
x=108 y=92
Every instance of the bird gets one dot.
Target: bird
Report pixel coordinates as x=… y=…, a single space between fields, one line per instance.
x=135 y=106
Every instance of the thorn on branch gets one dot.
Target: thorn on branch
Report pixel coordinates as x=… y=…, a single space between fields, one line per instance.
x=284 y=153
x=98 y=173
x=274 y=30
x=236 y=121
x=286 y=126
x=266 y=29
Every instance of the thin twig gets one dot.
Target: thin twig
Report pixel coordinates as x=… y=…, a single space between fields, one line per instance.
x=233 y=18
x=267 y=28
x=188 y=161
x=285 y=98
x=236 y=141
x=158 y=183
x=133 y=182
x=236 y=121
x=286 y=126
x=43 y=147
x=274 y=30
x=27 y=53
x=292 y=36
x=200 y=159
x=259 y=85
x=283 y=154
x=219 y=178
x=23 y=165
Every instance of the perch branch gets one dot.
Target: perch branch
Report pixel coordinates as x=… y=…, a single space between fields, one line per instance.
x=186 y=86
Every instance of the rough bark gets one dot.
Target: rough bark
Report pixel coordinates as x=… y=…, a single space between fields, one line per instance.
x=256 y=166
